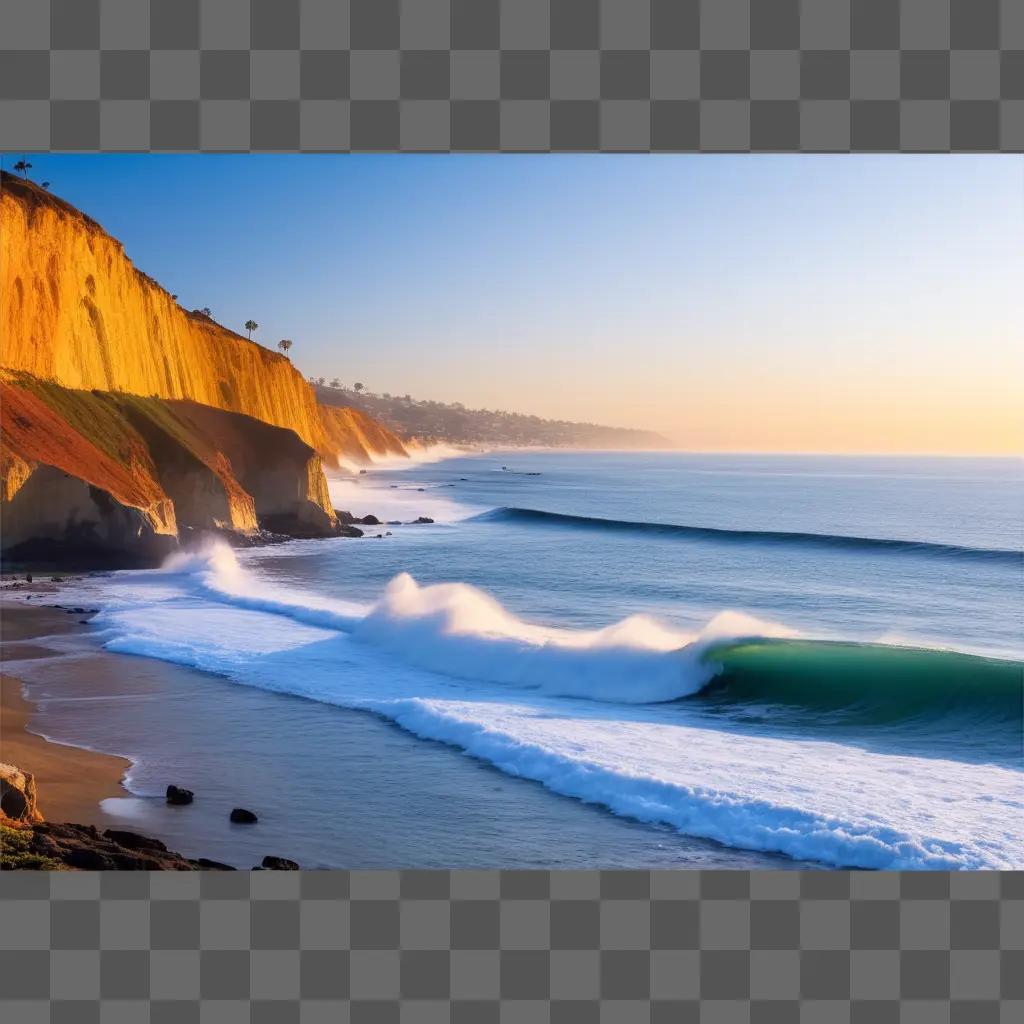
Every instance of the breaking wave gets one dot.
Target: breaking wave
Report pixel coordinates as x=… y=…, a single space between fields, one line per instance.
x=460 y=631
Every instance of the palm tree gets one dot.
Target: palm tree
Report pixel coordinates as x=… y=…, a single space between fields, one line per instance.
x=284 y=344
x=250 y=326
x=358 y=387
x=24 y=166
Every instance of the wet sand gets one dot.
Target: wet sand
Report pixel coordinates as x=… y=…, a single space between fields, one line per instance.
x=70 y=781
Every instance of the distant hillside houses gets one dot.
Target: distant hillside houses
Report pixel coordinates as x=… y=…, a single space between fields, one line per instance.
x=433 y=422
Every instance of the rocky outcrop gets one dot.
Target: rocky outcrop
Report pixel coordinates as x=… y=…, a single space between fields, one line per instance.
x=283 y=475
x=88 y=473
x=75 y=474
x=18 y=795
x=57 y=845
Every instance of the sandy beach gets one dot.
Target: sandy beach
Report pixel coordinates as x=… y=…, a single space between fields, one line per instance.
x=70 y=781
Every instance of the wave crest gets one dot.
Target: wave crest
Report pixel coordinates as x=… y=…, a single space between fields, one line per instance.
x=827 y=540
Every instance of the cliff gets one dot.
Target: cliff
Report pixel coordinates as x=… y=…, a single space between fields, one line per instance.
x=75 y=310
x=352 y=435
x=90 y=474
x=126 y=419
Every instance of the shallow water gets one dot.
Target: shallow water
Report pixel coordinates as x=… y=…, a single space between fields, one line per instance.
x=332 y=787
x=710 y=646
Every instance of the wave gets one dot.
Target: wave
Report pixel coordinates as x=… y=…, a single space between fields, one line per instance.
x=827 y=540
x=497 y=688
x=460 y=631
x=869 y=683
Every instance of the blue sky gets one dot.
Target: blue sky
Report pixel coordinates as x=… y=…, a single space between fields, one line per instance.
x=750 y=302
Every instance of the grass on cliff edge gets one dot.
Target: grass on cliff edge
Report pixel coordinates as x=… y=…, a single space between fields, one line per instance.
x=16 y=856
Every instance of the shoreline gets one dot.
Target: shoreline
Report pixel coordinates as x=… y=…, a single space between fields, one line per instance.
x=372 y=796
x=71 y=781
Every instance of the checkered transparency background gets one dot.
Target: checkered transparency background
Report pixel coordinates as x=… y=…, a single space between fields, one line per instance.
x=521 y=75
x=512 y=947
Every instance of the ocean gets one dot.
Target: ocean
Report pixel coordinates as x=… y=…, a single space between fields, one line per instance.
x=796 y=659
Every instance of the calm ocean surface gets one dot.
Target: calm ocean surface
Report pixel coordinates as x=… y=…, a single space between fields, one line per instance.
x=808 y=657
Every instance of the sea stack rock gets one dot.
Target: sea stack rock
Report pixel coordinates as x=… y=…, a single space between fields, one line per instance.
x=178 y=796
x=240 y=816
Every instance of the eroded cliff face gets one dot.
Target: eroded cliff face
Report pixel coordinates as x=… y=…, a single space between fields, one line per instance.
x=352 y=435
x=113 y=477
x=127 y=419
x=76 y=310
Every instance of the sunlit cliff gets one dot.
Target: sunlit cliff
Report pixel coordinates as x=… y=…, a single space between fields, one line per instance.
x=126 y=420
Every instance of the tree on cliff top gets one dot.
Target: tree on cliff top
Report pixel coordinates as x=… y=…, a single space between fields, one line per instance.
x=284 y=344
x=358 y=386
x=335 y=383
x=24 y=166
x=250 y=326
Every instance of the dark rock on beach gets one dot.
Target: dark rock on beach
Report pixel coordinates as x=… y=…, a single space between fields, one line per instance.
x=133 y=841
x=279 y=864
x=212 y=865
x=240 y=816
x=421 y=519
x=178 y=796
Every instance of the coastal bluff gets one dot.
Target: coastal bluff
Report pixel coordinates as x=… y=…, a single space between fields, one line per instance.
x=76 y=311
x=129 y=423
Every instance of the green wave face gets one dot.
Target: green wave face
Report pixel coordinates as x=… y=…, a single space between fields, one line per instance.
x=874 y=683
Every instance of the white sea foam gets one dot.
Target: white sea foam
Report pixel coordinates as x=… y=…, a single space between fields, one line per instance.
x=450 y=663
x=463 y=632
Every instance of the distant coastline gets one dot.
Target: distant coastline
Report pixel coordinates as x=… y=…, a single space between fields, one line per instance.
x=427 y=422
